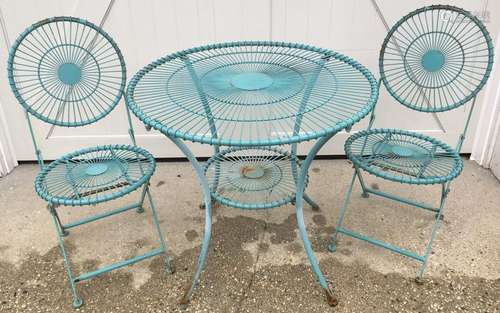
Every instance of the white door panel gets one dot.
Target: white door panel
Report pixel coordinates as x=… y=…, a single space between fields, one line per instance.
x=144 y=31
x=148 y=30
x=495 y=159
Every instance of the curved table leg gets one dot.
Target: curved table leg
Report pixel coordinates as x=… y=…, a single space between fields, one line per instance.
x=332 y=301
x=208 y=218
x=216 y=178
x=308 y=199
x=217 y=170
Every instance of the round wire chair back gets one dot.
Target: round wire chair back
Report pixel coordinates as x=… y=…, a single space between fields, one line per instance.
x=66 y=71
x=436 y=58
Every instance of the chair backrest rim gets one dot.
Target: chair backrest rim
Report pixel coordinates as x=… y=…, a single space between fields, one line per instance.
x=465 y=99
x=85 y=23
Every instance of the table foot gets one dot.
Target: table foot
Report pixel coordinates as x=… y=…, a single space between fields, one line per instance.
x=186 y=298
x=314 y=205
x=330 y=298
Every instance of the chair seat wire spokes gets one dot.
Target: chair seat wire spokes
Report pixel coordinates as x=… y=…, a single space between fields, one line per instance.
x=66 y=71
x=436 y=58
x=95 y=175
x=403 y=156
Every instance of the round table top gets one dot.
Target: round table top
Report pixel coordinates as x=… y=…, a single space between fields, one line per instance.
x=252 y=93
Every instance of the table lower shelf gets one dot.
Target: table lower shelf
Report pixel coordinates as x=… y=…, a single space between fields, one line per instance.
x=253 y=178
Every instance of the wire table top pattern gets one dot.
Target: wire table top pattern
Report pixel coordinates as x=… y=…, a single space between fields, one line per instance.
x=254 y=98
x=252 y=93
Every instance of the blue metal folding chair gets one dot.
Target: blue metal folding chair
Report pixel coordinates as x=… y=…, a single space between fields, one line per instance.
x=69 y=72
x=434 y=59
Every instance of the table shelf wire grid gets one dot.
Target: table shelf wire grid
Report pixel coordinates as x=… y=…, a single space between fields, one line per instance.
x=253 y=178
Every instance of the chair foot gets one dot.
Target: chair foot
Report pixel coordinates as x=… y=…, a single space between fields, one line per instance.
x=365 y=195
x=330 y=298
x=77 y=303
x=332 y=247
x=419 y=280
x=140 y=210
x=169 y=266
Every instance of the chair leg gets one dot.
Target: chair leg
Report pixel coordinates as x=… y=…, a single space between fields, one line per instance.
x=140 y=209
x=421 y=258
x=77 y=301
x=365 y=193
x=63 y=232
x=168 y=262
x=444 y=193
x=333 y=245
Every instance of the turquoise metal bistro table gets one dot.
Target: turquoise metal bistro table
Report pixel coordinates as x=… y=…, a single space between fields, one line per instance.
x=253 y=102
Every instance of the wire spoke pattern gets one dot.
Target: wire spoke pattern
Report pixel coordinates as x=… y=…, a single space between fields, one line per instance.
x=403 y=156
x=252 y=93
x=252 y=178
x=66 y=71
x=95 y=175
x=436 y=58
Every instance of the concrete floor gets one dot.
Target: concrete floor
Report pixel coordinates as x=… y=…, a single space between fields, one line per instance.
x=256 y=262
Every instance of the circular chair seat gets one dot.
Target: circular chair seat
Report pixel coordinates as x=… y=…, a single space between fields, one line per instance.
x=403 y=156
x=252 y=178
x=95 y=175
